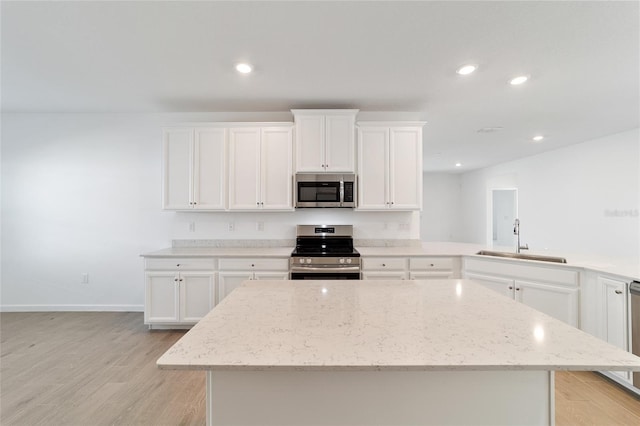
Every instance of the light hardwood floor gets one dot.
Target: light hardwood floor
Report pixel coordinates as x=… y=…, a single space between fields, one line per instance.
x=99 y=369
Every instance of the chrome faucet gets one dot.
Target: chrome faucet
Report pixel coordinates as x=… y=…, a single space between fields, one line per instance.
x=516 y=231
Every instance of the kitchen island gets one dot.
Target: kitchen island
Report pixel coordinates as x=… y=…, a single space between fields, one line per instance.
x=383 y=352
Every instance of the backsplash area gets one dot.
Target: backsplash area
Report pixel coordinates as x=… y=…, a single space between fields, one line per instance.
x=379 y=227
x=250 y=243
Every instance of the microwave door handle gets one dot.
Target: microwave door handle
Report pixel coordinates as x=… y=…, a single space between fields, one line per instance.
x=341 y=192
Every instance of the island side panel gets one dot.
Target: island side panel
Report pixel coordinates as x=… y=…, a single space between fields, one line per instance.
x=380 y=397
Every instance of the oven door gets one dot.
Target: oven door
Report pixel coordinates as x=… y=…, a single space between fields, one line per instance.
x=325 y=273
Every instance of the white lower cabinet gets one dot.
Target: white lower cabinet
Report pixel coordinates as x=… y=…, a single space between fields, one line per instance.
x=385 y=268
x=430 y=268
x=613 y=315
x=178 y=292
x=554 y=291
x=178 y=297
x=234 y=272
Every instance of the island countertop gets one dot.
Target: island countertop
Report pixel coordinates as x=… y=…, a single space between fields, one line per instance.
x=436 y=325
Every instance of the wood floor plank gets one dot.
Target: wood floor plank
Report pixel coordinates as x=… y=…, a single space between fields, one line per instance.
x=98 y=368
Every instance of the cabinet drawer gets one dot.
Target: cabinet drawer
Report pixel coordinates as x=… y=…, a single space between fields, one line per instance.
x=182 y=264
x=258 y=264
x=384 y=263
x=430 y=263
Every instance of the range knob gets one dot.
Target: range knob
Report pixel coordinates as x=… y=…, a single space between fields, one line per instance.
x=301 y=260
x=342 y=260
x=308 y=260
x=349 y=260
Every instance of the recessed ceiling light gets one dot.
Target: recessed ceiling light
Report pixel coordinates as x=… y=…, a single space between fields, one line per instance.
x=519 y=80
x=466 y=69
x=458 y=164
x=244 y=68
x=538 y=138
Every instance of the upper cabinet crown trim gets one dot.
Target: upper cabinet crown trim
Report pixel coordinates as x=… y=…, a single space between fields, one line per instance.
x=201 y=124
x=390 y=123
x=324 y=111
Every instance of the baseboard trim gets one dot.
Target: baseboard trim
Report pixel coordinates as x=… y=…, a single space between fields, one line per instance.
x=71 y=308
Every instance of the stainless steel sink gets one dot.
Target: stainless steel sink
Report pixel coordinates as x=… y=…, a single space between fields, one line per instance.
x=523 y=256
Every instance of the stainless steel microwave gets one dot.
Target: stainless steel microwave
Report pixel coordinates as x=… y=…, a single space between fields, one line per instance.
x=318 y=190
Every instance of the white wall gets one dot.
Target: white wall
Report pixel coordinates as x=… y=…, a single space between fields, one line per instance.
x=580 y=199
x=81 y=193
x=440 y=217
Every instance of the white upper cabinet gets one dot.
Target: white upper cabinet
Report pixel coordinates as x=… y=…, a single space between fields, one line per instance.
x=325 y=140
x=194 y=168
x=260 y=168
x=390 y=166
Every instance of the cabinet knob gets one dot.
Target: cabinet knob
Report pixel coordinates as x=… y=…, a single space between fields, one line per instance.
x=384 y=264
x=392 y=202
x=510 y=287
x=618 y=291
x=252 y=265
x=175 y=279
x=257 y=203
x=517 y=289
x=180 y=279
x=432 y=265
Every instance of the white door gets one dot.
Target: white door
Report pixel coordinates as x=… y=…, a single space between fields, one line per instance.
x=504 y=286
x=197 y=295
x=557 y=301
x=339 y=143
x=228 y=281
x=373 y=168
x=276 y=169
x=244 y=168
x=209 y=177
x=310 y=155
x=161 y=297
x=177 y=168
x=405 y=168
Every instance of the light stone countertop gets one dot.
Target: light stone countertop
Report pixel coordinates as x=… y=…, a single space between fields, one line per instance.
x=439 y=325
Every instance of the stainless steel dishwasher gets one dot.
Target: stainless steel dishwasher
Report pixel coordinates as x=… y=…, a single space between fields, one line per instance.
x=634 y=289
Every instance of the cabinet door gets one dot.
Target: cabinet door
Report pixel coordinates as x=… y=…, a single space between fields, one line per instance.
x=209 y=177
x=197 y=295
x=373 y=168
x=431 y=275
x=504 y=286
x=228 y=281
x=177 y=168
x=384 y=275
x=405 y=168
x=339 y=143
x=284 y=275
x=244 y=168
x=310 y=136
x=614 y=318
x=161 y=297
x=557 y=301
x=276 y=169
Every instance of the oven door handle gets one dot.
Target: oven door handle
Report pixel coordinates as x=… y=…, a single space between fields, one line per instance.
x=314 y=269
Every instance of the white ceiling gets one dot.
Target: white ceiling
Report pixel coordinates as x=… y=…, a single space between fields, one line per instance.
x=583 y=58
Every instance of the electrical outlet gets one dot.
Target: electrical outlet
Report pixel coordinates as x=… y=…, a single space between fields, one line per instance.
x=84 y=278
x=192 y=227
x=260 y=226
x=232 y=227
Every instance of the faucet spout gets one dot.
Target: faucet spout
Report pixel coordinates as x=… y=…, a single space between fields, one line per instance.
x=516 y=231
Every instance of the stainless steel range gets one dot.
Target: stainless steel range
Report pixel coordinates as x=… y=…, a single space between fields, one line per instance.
x=324 y=252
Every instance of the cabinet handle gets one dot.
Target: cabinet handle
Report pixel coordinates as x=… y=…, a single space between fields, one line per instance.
x=618 y=291
x=392 y=202
x=384 y=264
x=517 y=289
x=175 y=279
x=510 y=287
x=431 y=264
x=252 y=265
x=178 y=265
